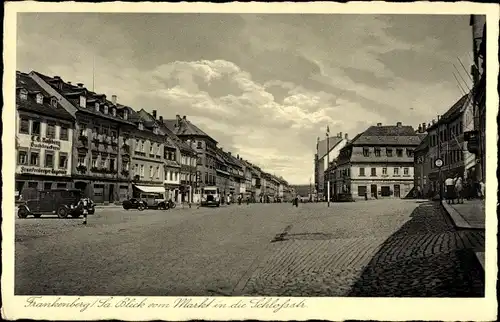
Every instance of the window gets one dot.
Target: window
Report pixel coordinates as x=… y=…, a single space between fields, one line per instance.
x=399 y=153
x=105 y=109
x=361 y=191
x=83 y=101
x=366 y=152
x=136 y=169
x=388 y=152
x=39 y=98
x=81 y=159
x=83 y=129
x=47 y=185
x=103 y=163
x=176 y=176
x=49 y=160
x=377 y=152
x=151 y=148
x=158 y=172
x=409 y=153
x=125 y=165
x=384 y=171
x=142 y=170
x=125 y=115
x=206 y=177
x=406 y=171
x=53 y=102
x=112 y=162
x=51 y=131
x=461 y=128
x=34 y=158
x=141 y=126
x=151 y=173
x=35 y=127
x=142 y=146
x=374 y=172
x=94 y=160
x=22 y=157
x=199 y=145
x=97 y=106
x=63 y=134
x=113 y=134
x=63 y=160
x=361 y=172
x=396 y=171
x=113 y=111
x=24 y=126
x=23 y=94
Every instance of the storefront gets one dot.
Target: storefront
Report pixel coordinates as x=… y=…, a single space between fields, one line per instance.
x=34 y=182
x=172 y=191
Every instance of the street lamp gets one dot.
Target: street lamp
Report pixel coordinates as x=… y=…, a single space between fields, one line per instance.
x=328 y=162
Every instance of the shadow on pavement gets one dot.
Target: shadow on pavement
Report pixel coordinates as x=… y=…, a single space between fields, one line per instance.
x=424 y=258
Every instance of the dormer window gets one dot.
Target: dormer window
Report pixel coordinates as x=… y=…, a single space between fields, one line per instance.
x=141 y=126
x=53 y=102
x=83 y=101
x=97 y=106
x=125 y=114
x=155 y=130
x=113 y=111
x=39 y=98
x=105 y=109
x=23 y=94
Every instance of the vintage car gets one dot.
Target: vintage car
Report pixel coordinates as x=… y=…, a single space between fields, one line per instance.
x=210 y=196
x=62 y=202
x=147 y=200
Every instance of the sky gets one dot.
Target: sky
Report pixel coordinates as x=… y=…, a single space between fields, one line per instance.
x=263 y=86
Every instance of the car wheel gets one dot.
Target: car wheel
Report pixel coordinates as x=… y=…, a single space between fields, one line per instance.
x=126 y=207
x=162 y=206
x=37 y=215
x=22 y=212
x=172 y=205
x=140 y=207
x=62 y=212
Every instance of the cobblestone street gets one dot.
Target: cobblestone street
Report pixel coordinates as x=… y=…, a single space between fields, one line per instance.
x=374 y=248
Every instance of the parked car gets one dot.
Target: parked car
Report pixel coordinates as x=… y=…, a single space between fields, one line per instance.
x=62 y=202
x=147 y=200
x=210 y=196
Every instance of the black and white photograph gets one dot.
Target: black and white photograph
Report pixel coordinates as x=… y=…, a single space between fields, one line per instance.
x=268 y=156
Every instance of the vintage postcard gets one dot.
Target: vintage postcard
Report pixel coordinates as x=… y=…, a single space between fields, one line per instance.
x=249 y=161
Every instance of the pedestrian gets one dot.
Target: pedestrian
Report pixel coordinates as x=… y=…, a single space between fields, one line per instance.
x=419 y=192
x=482 y=188
x=248 y=200
x=459 y=190
x=85 y=208
x=450 y=187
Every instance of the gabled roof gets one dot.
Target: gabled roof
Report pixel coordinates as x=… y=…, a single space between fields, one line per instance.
x=451 y=113
x=184 y=127
x=324 y=145
x=388 y=135
x=24 y=81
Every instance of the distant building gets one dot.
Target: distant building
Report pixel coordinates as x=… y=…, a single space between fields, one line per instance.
x=378 y=163
x=323 y=148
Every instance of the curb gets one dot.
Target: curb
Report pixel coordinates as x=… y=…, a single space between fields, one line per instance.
x=457 y=218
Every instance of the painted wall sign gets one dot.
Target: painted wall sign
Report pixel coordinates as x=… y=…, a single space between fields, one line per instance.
x=36 y=170
x=45 y=143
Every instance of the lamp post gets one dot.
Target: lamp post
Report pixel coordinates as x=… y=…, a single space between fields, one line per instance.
x=328 y=163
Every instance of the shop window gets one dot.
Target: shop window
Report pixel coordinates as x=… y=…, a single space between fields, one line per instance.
x=63 y=134
x=388 y=152
x=361 y=191
x=51 y=131
x=63 y=160
x=49 y=159
x=24 y=126
x=22 y=157
x=34 y=158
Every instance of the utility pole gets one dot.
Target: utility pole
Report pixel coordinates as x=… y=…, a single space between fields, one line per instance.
x=328 y=163
x=439 y=156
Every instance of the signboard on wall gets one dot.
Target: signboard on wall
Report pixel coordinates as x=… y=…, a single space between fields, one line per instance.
x=42 y=171
x=45 y=143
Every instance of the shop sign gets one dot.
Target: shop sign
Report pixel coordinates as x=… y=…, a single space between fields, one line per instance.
x=36 y=170
x=45 y=143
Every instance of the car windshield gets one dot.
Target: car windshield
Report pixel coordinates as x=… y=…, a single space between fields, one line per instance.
x=72 y=194
x=210 y=192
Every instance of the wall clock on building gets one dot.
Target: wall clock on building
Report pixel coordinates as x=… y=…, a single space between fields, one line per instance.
x=438 y=163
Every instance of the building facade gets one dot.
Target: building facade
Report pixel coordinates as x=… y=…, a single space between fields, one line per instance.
x=377 y=163
x=44 y=139
x=98 y=166
x=326 y=150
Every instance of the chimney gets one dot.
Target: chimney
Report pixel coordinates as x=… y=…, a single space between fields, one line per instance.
x=161 y=119
x=69 y=83
x=184 y=117
x=346 y=137
x=424 y=127
x=379 y=124
x=154 y=114
x=419 y=128
x=113 y=99
x=80 y=85
x=340 y=135
x=238 y=156
x=57 y=77
x=398 y=124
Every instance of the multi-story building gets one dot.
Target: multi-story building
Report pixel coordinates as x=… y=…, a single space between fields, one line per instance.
x=171 y=155
x=237 y=176
x=44 y=139
x=101 y=161
x=222 y=180
x=326 y=150
x=203 y=162
x=477 y=141
x=256 y=183
x=446 y=142
x=377 y=162
x=421 y=166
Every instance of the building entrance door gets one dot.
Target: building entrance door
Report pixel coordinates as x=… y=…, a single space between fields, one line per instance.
x=111 y=193
x=397 y=191
x=373 y=190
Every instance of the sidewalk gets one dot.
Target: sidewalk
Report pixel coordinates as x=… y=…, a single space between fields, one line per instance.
x=469 y=215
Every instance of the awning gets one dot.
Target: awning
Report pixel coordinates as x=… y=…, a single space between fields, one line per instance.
x=151 y=189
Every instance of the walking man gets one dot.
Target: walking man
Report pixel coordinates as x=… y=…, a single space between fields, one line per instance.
x=450 y=187
x=85 y=208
